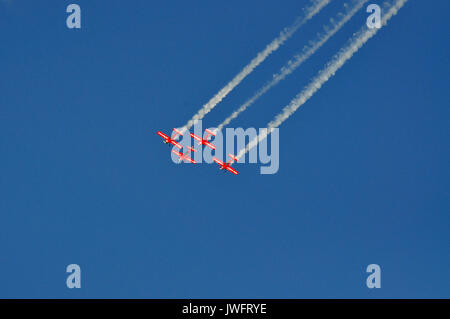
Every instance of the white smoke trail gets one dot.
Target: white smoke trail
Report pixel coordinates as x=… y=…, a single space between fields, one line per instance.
x=355 y=43
x=294 y=63
x=308 y=13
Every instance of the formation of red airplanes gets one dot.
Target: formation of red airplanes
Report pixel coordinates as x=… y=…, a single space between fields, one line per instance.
x=201 y=141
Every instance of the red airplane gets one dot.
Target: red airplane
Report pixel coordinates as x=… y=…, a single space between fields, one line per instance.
x=171 y=140
x=204 y=141
x=227 y=165
x=184 y=156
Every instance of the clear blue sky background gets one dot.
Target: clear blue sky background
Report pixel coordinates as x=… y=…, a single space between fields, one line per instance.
x=84 y=178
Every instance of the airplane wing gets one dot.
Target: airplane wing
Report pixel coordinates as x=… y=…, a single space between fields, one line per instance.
x=191 y=149
x=190 y=160
x=232 y=170
x=211 y=146
x=184 y=157
x=196 y=137
x=178 y=153
x=177 y=132
x=210 y=133
x=164 y=136
x=233 y=158
x=218 y=161
x=176 y=144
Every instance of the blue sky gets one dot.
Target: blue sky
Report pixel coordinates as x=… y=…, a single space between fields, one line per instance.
x=84 y=178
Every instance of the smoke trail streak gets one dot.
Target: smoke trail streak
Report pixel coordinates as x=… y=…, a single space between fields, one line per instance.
x=298 y=60
x=355 y=43
x=308 y=13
